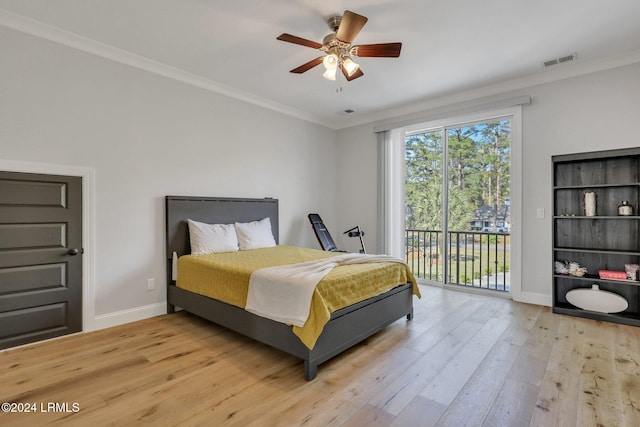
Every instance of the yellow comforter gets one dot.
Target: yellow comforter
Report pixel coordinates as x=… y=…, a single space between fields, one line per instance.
x=225 y=277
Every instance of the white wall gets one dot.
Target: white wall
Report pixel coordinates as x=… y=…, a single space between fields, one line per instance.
x=357 y=160
x=588 y=113
x=145 y=137
x=593 y=112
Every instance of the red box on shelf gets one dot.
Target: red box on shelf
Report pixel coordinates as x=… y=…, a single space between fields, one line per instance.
x=614 y=275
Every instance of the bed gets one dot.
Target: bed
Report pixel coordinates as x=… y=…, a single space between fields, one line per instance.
x=346 y=326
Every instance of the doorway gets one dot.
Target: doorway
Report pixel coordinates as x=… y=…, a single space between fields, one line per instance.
x=457 y=203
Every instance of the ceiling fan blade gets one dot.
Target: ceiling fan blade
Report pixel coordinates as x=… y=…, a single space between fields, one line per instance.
x=355 y=75
x=380 y=50
x=307 y=66
x=350 y=26
x=299 y=40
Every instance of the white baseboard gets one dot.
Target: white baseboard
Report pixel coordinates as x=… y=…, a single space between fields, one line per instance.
x=534 y=298
x=116 y=318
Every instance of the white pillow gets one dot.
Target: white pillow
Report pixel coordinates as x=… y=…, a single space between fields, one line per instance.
x=255 y=234
x=212 y=238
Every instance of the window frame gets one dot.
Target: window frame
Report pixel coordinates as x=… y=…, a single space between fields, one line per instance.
x=393 y=173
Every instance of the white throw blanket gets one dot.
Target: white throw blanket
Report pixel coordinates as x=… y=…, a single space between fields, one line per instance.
x=283 y=293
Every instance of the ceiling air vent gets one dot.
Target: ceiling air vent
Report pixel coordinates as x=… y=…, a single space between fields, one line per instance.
x=560 y=60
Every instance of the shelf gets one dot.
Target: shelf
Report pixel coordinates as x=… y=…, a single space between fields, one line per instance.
x=597 y=251
x=604 y=241
x=595 y=278
x=586 y=187
x=625 y=318
x=596 y=217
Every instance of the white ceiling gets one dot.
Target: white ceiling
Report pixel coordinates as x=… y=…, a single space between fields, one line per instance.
x=449 y=46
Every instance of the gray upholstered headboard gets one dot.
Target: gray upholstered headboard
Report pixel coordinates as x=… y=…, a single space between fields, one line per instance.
x=212 y=210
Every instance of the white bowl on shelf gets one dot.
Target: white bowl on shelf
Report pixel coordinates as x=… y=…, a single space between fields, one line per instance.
x=595 y=299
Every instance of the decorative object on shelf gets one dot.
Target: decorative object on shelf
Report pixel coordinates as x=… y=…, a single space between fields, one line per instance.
x=576 y=270
x=625 y=209
x=562 y=267
x=632 y=271
x=612 y=275
x=571 y=268
x=590 y=203
x=598 y=300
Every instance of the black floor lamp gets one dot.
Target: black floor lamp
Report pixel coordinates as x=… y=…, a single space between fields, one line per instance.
x=356 y=232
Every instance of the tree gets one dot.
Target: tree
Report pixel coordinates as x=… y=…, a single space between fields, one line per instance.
x=423 y=184
x=477 y=172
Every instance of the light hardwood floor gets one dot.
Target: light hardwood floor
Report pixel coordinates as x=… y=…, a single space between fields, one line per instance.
x=464 y=360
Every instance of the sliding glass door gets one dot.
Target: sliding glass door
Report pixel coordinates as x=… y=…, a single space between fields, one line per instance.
x=425 y=201
x=457 y=194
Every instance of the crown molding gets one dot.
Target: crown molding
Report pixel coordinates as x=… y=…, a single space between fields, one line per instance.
x=76 y=41
x=548 y=75
x=67 y=38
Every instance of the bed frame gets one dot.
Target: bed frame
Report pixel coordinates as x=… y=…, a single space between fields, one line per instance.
x=346 y=327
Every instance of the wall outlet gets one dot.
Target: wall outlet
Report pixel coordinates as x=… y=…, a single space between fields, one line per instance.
x=540 y=213
x=151 y=284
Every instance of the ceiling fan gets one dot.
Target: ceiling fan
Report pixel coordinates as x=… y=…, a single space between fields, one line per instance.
x=339 y=50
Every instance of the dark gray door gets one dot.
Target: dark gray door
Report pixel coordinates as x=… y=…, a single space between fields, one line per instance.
x=40 y=257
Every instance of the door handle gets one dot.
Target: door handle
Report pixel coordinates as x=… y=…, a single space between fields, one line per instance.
x=74 y=251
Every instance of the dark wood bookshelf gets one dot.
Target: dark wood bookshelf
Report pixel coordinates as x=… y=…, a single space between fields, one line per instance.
x=606 y=241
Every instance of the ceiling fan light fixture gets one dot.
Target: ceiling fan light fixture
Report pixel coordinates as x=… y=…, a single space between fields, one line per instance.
x=350 y=66
x=330 y=62
x=338 y=48
x=329 y=74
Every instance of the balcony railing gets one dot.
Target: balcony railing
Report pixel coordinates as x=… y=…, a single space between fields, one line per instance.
x=475 y=259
